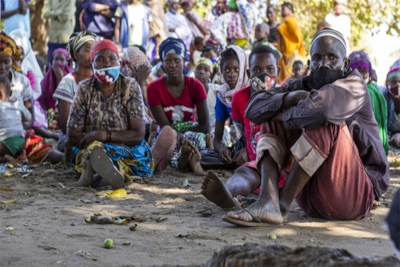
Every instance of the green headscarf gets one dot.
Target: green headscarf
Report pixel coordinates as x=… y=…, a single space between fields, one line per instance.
x=232 y=4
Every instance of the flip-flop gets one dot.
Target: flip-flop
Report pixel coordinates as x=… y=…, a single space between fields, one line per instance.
x=256 y=223
x=103 y=166
x=163 y=148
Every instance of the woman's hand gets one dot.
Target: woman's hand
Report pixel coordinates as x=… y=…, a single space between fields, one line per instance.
x=225 y=155
x=90 y=137
x=241 y=157
x=141 y=74
x=58 y=72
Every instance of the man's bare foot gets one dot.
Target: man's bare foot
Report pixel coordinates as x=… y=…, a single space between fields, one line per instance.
x=183 y=160
x=210 y=141
x=87 y=172
x=267 y=212
x=194 y=161
x=215 y=191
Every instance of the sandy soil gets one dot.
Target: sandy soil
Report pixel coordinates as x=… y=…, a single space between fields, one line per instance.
x=49 y=229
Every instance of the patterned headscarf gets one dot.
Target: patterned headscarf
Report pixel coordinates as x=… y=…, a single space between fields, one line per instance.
x=77 y=40
x=224 y=93
x=9 y=47
x=132 y=59
x=172 y=45
x=207 y=62
x=359 y=59
x=332 y=33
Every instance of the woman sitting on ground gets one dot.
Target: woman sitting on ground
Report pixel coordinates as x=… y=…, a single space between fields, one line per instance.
x=79 y=45
x=174 y=100
x=36 y=150
x=107 y=124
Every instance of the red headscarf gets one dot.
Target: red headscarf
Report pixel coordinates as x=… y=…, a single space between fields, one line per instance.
x=101 y=45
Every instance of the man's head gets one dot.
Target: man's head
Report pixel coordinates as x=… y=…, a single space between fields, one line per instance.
x=173 y=5
x=328 y=51
x=263 y=59
x=261 y=32
x=187 y=5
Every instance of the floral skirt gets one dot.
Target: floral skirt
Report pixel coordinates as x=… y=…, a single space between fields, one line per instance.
x=131 y=161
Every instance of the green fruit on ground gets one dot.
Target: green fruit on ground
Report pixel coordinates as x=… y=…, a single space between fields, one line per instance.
x=272 y=236
x=108 y=243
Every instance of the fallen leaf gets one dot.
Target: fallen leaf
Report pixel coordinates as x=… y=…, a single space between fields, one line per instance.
x=121 y=222
x=7 y=174
x=87 y=201
x=10 y=228
x=182 y=235
x=397 y=163
x=126 y=243
x=133 y=227
x=6 y=189
x=161 y=219
x=9 y=201
x=103 y=193
x=119 y=193
x=26 y=175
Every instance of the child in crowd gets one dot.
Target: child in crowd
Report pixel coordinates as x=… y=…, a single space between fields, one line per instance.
x=12 y=114
x=298 y=71
x=261 y=35
x=198 y=45
x=212 y=54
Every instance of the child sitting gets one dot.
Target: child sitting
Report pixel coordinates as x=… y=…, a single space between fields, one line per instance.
x=12 y=114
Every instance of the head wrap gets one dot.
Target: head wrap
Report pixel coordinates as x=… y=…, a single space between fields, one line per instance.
x=232 y=4
x=207 y=62
x=101 y=45
x=172 y=45
x=68 y=66
x=359 y=59
x=332 y=33
x=132 y=59
x=394 y=70
x=29 y=63
x=10 y=48
x=224 y=93
x=77 y=40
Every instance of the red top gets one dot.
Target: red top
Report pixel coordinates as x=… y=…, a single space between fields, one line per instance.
x=181 y=108
x=240 y=100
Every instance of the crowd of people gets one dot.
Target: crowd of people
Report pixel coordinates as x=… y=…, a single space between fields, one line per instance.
x=128 y=92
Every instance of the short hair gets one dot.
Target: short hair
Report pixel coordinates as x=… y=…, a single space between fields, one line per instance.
x=288 y=5
x=198 y=40
x=227 y=54
x=208 y=48
x=6 y=82
x=263 y=49
x=298 y=62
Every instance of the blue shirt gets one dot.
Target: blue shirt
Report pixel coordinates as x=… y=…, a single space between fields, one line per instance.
x=222 y=112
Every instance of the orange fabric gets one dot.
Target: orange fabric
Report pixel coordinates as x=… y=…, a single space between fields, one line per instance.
x=291 y=45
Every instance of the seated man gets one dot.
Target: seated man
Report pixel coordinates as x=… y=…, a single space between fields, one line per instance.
x=325 y=123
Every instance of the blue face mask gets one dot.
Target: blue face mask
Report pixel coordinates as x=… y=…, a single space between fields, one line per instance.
x=107 y=76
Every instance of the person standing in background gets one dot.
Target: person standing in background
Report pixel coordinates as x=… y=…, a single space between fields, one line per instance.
x=193 y=19
x=132 y=24
x=98 y=17
x=177 y=24
x=340 y=22
x=19 y=20
x=61 y=15
x=273 y=25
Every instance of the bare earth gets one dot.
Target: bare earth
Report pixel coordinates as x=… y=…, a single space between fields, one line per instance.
x=49 y=228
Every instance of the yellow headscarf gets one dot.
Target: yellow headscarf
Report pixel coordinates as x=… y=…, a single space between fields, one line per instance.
x=10 y=48
x=207 y=62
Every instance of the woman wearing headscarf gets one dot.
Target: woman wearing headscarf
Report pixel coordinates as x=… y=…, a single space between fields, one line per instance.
x=60 y=65
x=179 y=102
x=78 y=47
x=36 y=150
x=107 y=123
x=392 y=96
x=359 y=60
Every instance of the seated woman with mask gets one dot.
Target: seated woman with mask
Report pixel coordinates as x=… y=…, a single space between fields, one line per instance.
x=107 y=124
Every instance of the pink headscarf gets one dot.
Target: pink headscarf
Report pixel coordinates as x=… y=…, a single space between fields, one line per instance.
x=49 y=83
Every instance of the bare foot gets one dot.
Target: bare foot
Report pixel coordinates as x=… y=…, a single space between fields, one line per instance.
x=87 y=172
x=183 y=160
x=267 y=212
x=194 y=161
x=215 y=191
x=210 y=141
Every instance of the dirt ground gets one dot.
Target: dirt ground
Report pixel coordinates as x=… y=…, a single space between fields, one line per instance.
x=46 y=225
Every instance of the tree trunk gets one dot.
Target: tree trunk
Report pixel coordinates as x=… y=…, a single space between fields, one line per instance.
x=39 y=28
